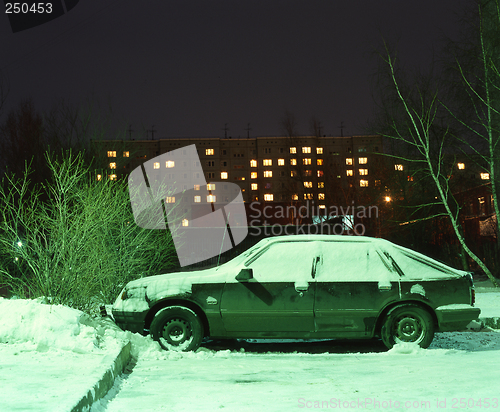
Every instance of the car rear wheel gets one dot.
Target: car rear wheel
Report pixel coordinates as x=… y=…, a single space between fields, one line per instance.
x=177 y=328
x=409 y=323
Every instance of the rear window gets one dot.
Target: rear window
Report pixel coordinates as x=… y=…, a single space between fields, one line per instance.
x=417 y=266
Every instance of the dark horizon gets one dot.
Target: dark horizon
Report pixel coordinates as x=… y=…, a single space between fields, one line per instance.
x=190 y=68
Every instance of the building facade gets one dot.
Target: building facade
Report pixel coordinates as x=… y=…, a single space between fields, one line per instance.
x=267 y=169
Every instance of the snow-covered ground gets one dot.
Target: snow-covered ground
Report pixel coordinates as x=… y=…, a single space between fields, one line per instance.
x=50 y=356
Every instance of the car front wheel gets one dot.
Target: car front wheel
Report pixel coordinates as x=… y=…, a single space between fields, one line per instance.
x=177 y=328
x=408 y=323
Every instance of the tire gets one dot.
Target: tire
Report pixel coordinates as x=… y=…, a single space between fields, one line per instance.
x=409 y=323
x=177 y=328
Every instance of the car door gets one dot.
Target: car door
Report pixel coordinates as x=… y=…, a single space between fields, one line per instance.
x=354 y=283
x=278 y=300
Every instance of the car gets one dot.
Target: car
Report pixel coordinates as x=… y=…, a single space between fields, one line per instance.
x=303 y=287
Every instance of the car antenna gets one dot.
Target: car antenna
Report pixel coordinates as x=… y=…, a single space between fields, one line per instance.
x=223 y=237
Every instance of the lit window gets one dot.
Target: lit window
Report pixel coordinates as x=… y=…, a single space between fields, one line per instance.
x=308 y=196
x=281 y=162
x=350 y=172
x=321 y=196
x=112 y=165
x=197 y=199
x=170 y=199
x=209 y=152
x=253 y=163
x=308 y=173
x=308 y=184
x=461 y=166
x=111 y=153
x=185 y=222
x=99 y=177
x=362 y=160
x=223 y=175
x=267 y=162
x=211 y=186
x=295 y=197
x=293 y=173
x=319 y=173
x=319 y=150
x=196 y=187
x=126 y=154
x=268 y=197
x=322 y=206
x=293 y=150
x=363 y=183
x=112 y=177
x=319 y=162
x=211 y=198
x=482 y=205
x=169 y=164
x=410 y=178
x=293 y=162
x=306 y=161
x=254 y=186
x=399 y=168
x=485 y=176
x=268 y=173
x=156 y=165
x=348 y=161
x=306 y=150
x=253 y=175
x=321 y=185
x=363 y=172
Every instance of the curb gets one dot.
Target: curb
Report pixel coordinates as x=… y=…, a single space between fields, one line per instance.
x=493 y=323
x=101 y=388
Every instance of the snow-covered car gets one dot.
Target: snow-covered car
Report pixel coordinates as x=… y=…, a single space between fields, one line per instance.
x=303 y=287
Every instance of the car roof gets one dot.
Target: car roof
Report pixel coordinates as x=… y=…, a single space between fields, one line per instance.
x=326 y=238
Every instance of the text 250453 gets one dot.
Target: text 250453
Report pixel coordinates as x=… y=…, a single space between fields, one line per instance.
x=28 y=8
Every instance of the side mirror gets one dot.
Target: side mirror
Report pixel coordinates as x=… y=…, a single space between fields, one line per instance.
x=245 y=275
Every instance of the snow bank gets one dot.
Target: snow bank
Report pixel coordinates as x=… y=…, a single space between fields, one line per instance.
x=46 y=326
x=42 y=327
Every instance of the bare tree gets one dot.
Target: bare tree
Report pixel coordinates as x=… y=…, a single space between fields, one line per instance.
x=477 y=64
x=422 y=130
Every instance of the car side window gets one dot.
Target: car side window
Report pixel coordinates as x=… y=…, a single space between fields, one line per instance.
x=284 y=262
x=352 y=261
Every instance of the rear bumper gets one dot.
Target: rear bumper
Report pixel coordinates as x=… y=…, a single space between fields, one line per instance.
x=132 y=321
x=456 y=317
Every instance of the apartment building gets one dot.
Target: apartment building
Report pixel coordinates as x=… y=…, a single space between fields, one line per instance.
x=267 y=169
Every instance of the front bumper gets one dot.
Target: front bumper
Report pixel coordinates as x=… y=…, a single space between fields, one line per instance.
x=456 y=317
x=132 y=321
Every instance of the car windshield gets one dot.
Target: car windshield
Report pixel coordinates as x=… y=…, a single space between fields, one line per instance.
x=246 y=254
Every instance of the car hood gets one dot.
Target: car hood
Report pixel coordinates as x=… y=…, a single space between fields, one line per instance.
x=178 y=283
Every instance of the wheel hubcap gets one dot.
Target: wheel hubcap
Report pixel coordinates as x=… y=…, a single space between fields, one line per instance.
x=176 y=331
x=409 y=329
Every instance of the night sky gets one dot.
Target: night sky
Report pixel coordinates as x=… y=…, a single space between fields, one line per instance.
x=189 y=67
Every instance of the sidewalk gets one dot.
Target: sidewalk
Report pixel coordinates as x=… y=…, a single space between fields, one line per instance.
x=54 y=358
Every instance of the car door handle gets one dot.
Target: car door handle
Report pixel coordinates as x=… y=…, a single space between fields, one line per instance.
x=384 y=288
